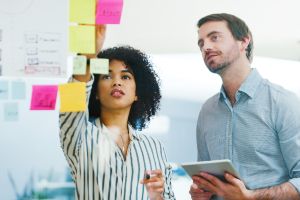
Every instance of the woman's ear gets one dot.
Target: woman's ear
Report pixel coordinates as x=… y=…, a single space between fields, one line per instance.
x=135 y=98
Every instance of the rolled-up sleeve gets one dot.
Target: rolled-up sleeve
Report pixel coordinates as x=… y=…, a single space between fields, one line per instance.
x=288 y=122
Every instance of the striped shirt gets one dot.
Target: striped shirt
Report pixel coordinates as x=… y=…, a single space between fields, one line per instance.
x=260 y=133
x=98 y=167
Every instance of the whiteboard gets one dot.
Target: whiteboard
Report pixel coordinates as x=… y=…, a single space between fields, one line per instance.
x=33 y=38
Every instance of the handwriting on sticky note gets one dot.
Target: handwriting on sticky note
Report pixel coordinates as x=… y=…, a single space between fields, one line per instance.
x=72 y=97
x=82 y=39
x=11 y=111
x=43 y=97
x=99 y=66
x=79 y=65
x=82 y=11
x=109 y=11
x=3 y=89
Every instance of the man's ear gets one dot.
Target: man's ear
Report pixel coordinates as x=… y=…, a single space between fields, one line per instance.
x=245 y=42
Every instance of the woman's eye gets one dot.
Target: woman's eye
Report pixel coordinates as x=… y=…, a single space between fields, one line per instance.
x=105 y=77
x=125 y=77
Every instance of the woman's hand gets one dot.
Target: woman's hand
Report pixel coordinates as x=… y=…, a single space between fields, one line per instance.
x=100 y=32
x=154 y=184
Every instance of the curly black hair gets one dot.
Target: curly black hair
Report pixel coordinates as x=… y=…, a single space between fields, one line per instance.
x=147 y=85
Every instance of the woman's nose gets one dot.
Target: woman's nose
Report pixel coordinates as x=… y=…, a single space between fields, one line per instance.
x=117 y=84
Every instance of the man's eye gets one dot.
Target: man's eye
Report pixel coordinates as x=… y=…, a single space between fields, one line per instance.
x=215 y=38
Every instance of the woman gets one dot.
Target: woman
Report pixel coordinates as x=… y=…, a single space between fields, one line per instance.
x=108 y=159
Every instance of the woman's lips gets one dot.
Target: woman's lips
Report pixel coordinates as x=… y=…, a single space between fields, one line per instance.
x=117 y=93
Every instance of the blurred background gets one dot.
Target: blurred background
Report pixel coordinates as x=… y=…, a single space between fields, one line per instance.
x=32 y=165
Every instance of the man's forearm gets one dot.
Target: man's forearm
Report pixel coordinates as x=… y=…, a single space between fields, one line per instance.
x=285 y=191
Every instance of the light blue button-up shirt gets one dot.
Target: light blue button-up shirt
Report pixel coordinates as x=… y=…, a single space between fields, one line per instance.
x=260 y=133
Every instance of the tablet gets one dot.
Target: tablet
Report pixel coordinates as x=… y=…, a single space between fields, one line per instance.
x=213 y=167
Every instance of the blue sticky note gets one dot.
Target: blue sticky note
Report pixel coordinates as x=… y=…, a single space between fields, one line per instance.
x=3 y=89
x=11 y=111
x=18 y=90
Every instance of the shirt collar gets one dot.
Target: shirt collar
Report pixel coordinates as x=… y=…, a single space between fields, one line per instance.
x=251 y=83
x=132 y=133
x=249 y=86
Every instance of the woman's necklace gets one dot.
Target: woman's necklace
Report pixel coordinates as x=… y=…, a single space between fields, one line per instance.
x=123 y=143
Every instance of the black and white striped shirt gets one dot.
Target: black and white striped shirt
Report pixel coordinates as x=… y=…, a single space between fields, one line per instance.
x=98 y=167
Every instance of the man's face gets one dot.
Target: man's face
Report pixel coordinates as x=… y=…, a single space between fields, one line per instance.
x=219 y=48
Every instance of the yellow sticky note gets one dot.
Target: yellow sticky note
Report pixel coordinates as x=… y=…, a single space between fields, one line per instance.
x=99 y=65
x=82 y=39
x=83 y=11
x=79 y=65
x=72 y=97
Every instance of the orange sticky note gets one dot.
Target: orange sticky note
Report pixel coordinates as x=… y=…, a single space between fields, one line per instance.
x=82 y=39
x=82 y=11
x=72 y=97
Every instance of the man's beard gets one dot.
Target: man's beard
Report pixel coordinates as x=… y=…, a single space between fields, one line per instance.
x=219 y=68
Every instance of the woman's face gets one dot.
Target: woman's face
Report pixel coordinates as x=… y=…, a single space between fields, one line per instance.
x=117 y=90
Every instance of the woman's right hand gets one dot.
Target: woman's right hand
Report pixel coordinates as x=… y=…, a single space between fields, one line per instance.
x=100 y=32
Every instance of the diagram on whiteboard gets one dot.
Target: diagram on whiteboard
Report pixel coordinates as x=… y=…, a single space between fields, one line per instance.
x=33 y=38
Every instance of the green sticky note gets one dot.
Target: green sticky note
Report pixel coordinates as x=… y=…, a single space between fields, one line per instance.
x=3 y=89
x=79 y=65
x=82 y=11
x=99 y=66
x=82 y=39
x=18 y=90
x=11 y=111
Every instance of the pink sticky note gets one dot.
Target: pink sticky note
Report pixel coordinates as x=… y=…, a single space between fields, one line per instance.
x=109 y=11
x=43 y=97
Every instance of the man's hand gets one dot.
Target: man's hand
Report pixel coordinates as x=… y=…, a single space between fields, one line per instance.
x=234 y=189
x=198 y=193
x=155 y=184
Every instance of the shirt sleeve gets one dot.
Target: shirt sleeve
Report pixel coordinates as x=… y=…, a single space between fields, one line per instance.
x=288 y=130
x=168 y=190
x=72 y=125
x=203 y=154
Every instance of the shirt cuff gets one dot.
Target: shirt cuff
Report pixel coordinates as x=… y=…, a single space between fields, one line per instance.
x=88 y=84
x=296 y=183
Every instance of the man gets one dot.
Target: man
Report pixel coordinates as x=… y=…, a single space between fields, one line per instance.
x=252 y=122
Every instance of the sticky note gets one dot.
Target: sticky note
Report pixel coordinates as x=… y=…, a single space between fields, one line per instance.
x=82 y=39
x=82 y=11
x=43 y=97
x=18 y=90
x=109 y=11
x=72 y=97
x=79 y=65
x=99 y=66
x=3 y=89
x=11 y=111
